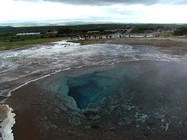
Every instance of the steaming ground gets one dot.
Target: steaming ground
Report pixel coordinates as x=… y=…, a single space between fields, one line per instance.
x=17 y=66
x=133 y=100
x=20 y=66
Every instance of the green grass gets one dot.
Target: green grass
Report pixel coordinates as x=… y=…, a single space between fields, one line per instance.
x=25 y=43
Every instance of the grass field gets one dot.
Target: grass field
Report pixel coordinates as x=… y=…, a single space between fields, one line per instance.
x=172 y=41
x=25 y=43
x=158 y=41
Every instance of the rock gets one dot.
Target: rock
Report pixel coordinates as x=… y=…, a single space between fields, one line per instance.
x=146 y=134
x=185 y=124
x=70 y=133
x=54 y=126
x=127 y=120
x=130 y=107
x=121 y=123
x=147 y=131
x=62 y=107
x=167 y=126
x=159 y=116
x=150 y=121
x=1 y=120
x=88 y=113
x=95 y=117
x=87 y=127
x=112 y=129
x=56 y=110
x=94 y=125
x=137 y=125
x=44 y=118
x=162 y=120
x=140 y=117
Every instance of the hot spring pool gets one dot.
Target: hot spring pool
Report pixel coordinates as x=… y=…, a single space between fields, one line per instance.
x=151 y=82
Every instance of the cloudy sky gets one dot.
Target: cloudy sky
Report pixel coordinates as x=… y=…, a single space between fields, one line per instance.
x=121 y=11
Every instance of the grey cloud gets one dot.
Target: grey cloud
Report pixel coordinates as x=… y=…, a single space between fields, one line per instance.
x=111 y=2
x=173 y=1
x=107 y=2
x=103 y=2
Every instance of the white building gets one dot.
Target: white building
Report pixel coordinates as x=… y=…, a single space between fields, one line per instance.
x=25 y=34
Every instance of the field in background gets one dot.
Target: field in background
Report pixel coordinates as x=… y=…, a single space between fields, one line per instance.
x=9 y=38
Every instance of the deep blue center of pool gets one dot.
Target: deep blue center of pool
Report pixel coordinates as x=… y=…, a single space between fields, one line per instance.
x=91 y=88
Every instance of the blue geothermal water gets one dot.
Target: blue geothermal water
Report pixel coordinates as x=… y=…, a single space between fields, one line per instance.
x=88 y=87
x=91 y=88
x=150 y=82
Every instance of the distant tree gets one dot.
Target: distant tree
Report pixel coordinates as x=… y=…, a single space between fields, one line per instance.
x=66 y=30
x=180 y=31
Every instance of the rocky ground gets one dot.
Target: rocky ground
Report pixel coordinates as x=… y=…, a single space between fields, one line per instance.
x=146 y=107
x=42 y=115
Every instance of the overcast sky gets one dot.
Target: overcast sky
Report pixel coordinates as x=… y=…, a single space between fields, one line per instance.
x=123 y=11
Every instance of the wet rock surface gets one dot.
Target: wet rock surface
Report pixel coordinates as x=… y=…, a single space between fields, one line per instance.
x=20 y=66
x=142 y=107
x=151 y=103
